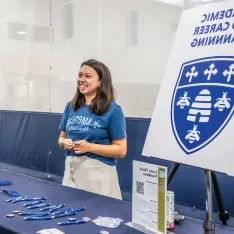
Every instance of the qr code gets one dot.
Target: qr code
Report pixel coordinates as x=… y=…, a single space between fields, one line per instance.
x=140 y=187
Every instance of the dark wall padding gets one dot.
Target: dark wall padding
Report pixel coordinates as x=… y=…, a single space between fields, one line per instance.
x=26 y=139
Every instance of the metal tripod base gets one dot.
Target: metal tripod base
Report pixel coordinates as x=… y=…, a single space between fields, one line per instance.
x=209 y=227
x=224 y=217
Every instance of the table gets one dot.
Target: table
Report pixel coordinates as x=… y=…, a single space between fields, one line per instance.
x=96 y=205
x=73 y=198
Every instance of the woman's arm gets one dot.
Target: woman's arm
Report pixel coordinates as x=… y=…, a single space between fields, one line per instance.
x=64 y=142
x=62 y=137
x=118 y=148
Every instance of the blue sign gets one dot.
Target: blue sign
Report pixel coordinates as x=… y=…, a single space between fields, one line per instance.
x=202 y=102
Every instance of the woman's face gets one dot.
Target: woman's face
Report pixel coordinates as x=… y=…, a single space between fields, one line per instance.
x=88 y=81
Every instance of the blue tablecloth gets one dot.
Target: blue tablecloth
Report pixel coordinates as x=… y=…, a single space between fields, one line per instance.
x=57 y=194
x=73 y=198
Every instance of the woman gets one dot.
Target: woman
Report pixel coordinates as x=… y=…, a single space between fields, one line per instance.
x=93 y=133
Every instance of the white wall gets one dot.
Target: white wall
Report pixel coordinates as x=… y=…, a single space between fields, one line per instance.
x=138 y=70
x=24 y=62
x=145 y=62
x=102 y=31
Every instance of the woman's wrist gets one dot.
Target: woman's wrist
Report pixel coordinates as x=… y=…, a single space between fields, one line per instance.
x=91 y=147
x=62 y=142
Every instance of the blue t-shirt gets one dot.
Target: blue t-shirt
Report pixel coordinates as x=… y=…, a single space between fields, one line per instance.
x=82 y=124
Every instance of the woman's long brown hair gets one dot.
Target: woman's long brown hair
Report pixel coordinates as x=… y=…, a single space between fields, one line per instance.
x=105 y=93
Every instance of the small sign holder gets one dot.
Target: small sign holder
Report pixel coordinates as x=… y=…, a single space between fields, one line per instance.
x=149 y=198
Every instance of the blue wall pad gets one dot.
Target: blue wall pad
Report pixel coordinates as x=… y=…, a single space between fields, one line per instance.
x=26 y=138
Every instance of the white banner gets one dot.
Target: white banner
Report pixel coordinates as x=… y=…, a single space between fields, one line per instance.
x=192 y=121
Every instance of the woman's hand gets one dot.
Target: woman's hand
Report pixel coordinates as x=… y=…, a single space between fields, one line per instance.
x=81 y=147
x=68 y=144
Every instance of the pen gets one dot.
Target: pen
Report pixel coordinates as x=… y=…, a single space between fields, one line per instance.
x=69 y=210
x=26 y=198
x=47 y=208
x=34 y=198
x=32 y=203
x=38 y=206
x=27 y=213
x=10 y=193
x=72 y=222
x=64 y=214
x=37 y=218
x=33 y=213
x=5 y=182
x=84 y=220
x=57 y=207
x=79 y=209
x=14 y=199
x=41 y=214
x=62 y=211
x=18 y=199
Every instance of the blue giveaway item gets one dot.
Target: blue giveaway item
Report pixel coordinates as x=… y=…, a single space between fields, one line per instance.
x=64 y=214
x=19 y=199
x=14 y=199
x=48 y=208
x=41 y=214
x=38 y=214
x=10 y=200
x=10 y=193
x=69 y=210
x=35 y=199
x=57 y=207
x=32 y=203
x=5 y=182
x=78 y=209
x=84 y=220
x=39 y=206
x=28 y=198
x=37 y=218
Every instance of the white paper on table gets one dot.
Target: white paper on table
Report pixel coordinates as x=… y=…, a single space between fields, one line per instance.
x=50 y=231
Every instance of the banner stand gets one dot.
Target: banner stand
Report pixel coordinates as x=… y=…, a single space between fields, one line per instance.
x=210 y=177
x=192 y=123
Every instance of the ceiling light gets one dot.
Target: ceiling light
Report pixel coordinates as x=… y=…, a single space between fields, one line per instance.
x=22 y=32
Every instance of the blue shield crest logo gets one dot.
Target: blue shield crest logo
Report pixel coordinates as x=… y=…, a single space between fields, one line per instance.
x=202 y=102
